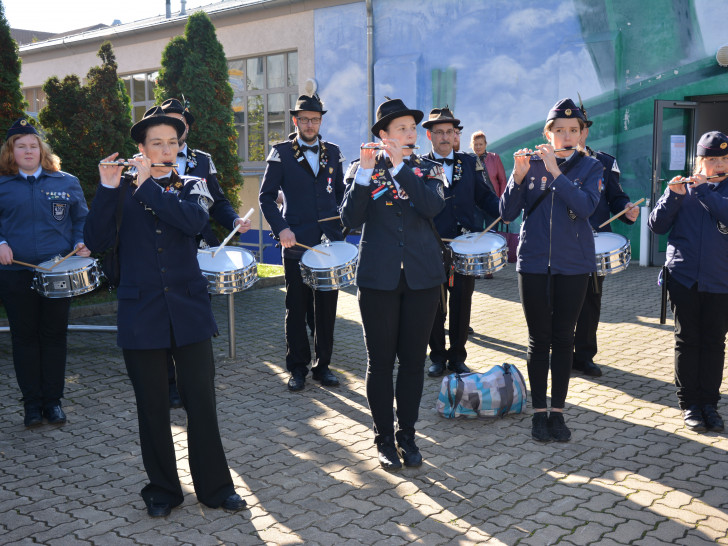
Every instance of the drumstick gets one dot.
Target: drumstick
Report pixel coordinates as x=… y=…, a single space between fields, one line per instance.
x=613 y=218
x=66 y=256
x=330 y=218
x=314 y=249
x=487 y=229
x=233 y=232
x=30 y=265
x=456 y=241
x=126 y=164
x=381 y=147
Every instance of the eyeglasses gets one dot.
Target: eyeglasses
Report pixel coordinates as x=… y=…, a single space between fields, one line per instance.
x=458 y=132
x=309 y=121
x=439 y=133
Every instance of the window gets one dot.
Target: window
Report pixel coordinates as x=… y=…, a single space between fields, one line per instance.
x=36 y=99
x=140 y=88
x=264 y=89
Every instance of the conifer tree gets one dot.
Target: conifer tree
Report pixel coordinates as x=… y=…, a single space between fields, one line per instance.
x=12 y=102
x=194 y=66
x=86 y=123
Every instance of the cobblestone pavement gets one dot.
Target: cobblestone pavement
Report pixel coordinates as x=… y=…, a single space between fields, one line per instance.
x=306 y=464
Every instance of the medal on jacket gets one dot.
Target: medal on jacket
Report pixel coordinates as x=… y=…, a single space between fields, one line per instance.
x=328 y=186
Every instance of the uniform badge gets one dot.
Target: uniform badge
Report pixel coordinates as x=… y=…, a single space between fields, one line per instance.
x=331 y=170
x=274 y=155
x=615 y=168
x=723 y=145
x=328 y=186
x=530 y=186
x=205 y=200
x=567 y=111
x=571 y=214
x=59 y=211
x=213 y=170
x=441 y=191
x=721 y=226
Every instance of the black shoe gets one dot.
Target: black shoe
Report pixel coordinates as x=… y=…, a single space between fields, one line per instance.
x=33 y=417
x=470 y=330
x=713 y=421
x=326 y=377
x=557 y=428
x=436 y=370
x=387 y=453
x=458 y=367
x=408 y=450
x=693 y=418
x=590 y=369
x=233 y=503
x=297 y=381
x=539 y=427
x=175 y=401
x=159 y=509
x=54 y=415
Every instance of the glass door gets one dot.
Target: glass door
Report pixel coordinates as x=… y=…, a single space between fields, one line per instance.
x=673 y=154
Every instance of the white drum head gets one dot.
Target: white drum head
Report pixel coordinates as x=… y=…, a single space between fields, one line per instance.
x=485 y=243
x=337 y=253
x=73 y=263
x=606 y=242
x=228 y=259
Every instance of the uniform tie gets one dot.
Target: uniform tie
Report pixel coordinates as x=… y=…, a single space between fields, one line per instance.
x=181 y=154
x=313 y=148
x=448 y=161
x=30 y=179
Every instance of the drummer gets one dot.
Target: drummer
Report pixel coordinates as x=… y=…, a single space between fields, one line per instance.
x=558 y=192
x=394 y=195
x=614 y=201
x=308 y=170
x=164 y=307
x=695 y=213
x=42 y=213
x=464 y=190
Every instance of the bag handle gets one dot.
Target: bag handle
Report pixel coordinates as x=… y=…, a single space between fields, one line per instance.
x=455 y=402
x=507 y=390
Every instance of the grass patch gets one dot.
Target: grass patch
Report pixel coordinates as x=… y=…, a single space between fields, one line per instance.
x=269 y=270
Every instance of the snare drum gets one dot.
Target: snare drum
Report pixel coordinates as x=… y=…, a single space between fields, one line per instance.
x=613 y=252
x=73 y=277
x=232 y=269
x=477 y=258
x=332 y=272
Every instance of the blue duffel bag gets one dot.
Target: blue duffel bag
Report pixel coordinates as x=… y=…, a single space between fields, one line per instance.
x=494 y=393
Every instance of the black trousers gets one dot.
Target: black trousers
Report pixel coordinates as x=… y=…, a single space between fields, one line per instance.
x=196 y=382
x=701 y=324
x=585 y=337
x=397 y=325
x=551 y=304
x=461 y=298
x=38 y=327
x=298 y=300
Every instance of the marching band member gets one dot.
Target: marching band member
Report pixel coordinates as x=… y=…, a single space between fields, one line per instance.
x=308 y=170
x=558 y=192
x=42 y=212
x=695 y=212
x=394 y=196
x=164 y=306
x=193 y=162
x=614 y=201
x=464 y=191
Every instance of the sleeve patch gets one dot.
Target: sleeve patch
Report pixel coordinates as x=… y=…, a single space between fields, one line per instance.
x=274 y=156
x=341 y=157
x=213 y=170
x=615 y=168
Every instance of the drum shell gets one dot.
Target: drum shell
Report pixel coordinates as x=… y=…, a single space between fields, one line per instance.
x=479 y=255
x=332 y=272
x=221 y=272
x=613 y=252
x=75 y=276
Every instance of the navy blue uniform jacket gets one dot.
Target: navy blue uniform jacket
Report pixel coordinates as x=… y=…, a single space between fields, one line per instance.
x=557 y=234
x=307 y=198
x=162 y=290
x=199 y=164
x=613 y=200
x=697 y=247
x=396 y=233
x=41 y=220
x=467 y=191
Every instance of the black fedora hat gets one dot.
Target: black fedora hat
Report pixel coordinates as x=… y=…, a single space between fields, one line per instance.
x=441 y=115
x=155 y=116
x=393 y=109
x=308 y=103
x=175 y=106
x=21 y=127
